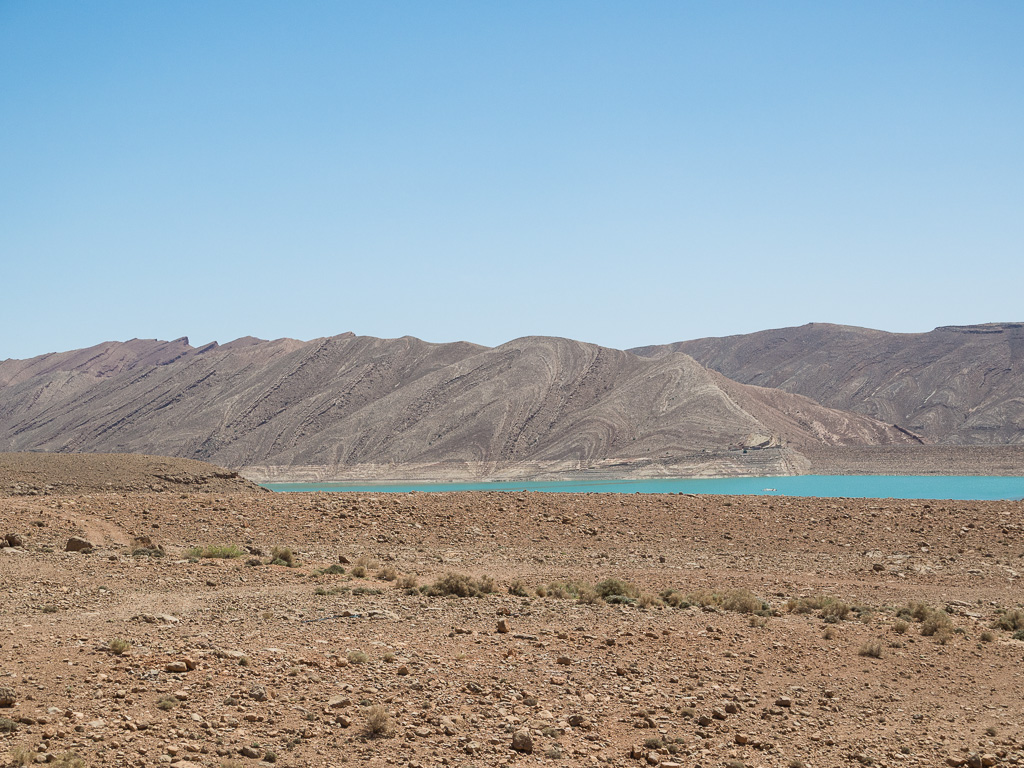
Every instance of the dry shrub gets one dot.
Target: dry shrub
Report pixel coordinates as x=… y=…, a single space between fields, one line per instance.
x=830 y=609
x=736 y=600
x=1011 y=621
x=357 y=657
x=900 y=627
x=387 y=573
x=914 y=610
x=610 y=587
x=518 y=588
x=587 y=595
x=119 y=646
x=378 y=722
x=368 y=562
x=872 y=649
x=407 y=581
x=936 y=623
x=675 y=598
x=282 y=556
x=648 y=600
x=460 y=585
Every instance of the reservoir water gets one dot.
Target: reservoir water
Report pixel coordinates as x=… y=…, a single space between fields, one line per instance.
x=963 y=487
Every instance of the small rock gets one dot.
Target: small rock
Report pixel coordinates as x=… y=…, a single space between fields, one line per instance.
x=15 y=540
x=258 y=693
x=177 y=667
x=503 y=626
x=522 y=741
x=78 y=544
x=783 y=701
x=7 y=696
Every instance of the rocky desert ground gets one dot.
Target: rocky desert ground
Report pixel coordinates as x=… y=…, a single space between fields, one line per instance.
x=157 y=618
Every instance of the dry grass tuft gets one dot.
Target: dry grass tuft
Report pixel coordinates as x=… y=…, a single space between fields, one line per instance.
x=378 y=722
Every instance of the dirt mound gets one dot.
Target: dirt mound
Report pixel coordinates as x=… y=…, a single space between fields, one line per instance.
x=31 y=474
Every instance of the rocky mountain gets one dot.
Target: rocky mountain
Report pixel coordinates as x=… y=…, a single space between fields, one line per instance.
x=953 y=385
x=349 y=401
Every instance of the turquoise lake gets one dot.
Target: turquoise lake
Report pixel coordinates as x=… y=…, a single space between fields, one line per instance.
x=823 y=486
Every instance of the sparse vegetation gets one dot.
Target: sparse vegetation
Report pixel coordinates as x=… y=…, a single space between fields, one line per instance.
x=167 y=702
x=518 y=589
x=21 y=756
x=900 y=627
x=616 y=588
x=119 y=646
x=387 y=573
x=223 y=551
x=830 y=609
x=378 y=722
x=987 y=636
x=871 y=649
x=460 y=585
x=734 y=600
x=7 y=725
x=68 y=760
x=1011 y=621
x=357 y=657
x=407 y=581
x=282 y=556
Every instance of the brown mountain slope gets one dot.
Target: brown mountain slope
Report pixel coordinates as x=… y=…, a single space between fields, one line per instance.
x=955 y=385
x=33 y=474
x=348 y=401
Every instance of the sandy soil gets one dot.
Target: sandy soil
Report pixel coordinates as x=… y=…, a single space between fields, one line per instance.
x=285 y=663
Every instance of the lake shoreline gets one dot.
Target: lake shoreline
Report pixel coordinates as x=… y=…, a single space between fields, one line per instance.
x=923 y=460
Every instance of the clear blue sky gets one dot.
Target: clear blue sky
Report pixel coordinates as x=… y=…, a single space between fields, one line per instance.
x=618 y=172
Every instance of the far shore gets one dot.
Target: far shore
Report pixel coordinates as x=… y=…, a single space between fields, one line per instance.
x=999 y=460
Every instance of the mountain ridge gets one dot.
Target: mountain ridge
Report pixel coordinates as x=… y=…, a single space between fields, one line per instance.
x=346 y=401
x=957 y=385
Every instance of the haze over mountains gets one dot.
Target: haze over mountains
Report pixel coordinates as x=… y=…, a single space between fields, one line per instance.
x=953 y=385
x=348 y=401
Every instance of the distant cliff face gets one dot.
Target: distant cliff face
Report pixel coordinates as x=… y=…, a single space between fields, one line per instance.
x=955 y=385
x=348 y=400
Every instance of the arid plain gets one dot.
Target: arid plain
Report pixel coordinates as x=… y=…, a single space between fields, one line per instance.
x=733 y=630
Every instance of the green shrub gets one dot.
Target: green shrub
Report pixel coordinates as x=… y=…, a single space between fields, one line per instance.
x=167 y=702
x=620 y=600
x=119 y=646
x=613 y=587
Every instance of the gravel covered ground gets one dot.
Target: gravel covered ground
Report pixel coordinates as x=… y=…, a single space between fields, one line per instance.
x=706 y=656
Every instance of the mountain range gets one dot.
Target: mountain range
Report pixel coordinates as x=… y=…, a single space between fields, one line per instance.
x=955 y=385
x=353 y=405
